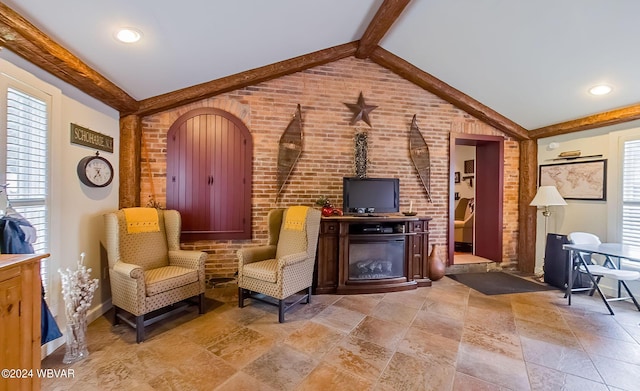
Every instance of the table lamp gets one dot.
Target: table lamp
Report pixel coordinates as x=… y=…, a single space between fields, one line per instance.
x=545 y=197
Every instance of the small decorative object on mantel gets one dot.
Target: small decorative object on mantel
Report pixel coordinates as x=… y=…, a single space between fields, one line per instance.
x=327 y=207
x=290 y=149
x=360 y=159
x=360 y=111
x=77 y=292
x=420 y=156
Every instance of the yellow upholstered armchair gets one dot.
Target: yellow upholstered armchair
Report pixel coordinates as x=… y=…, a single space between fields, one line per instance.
x=147 y=269
x=463 y=223
x=285 y=265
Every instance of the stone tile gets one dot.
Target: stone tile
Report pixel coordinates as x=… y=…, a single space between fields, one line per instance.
x=241 y=347
x=492 y=340
x=360 y=303
x=420 y=343
x=496 y=320
x=414 y=299
x=327 y=377
x=561 y=358
x=603 y=325
x=437 y=324
x=359 y=357
x=618 y=373
x=341 y=319
x=314 y=339
x=496 y=303
x=609 y=347
x=551 y=334
x=492 y=367
x=282 y=367
x=406 y=372
x=380 y=332
x=538 y=314
x=243 y=382
x=394 y=312
x=332 y=343
x=464 y=382
x=543 y=379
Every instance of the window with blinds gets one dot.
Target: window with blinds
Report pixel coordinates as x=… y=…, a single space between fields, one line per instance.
x=631 y=193
x=26 y=164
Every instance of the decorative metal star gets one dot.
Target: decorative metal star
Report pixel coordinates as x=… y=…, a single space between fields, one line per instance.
x=360 y=111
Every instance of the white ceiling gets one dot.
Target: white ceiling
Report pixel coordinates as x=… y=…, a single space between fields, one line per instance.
x=531 y=61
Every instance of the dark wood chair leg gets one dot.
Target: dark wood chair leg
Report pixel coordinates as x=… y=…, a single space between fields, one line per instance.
x=139 y=328
x=281 y=306
x=116 y=320
x=201 y=304
x=240 y=297
x=308 y=295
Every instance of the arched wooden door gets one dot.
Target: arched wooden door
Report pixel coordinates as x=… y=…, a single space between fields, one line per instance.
x=209 y=155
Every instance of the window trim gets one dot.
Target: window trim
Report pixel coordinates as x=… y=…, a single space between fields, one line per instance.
x=17 y=78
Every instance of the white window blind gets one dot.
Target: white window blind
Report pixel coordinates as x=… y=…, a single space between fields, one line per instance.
x=631 y=193
x=26 y=164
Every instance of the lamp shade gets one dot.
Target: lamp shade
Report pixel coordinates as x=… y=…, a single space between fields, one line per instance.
x=547 y=196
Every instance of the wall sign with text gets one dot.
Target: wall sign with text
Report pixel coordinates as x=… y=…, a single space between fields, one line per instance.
x=89 y=138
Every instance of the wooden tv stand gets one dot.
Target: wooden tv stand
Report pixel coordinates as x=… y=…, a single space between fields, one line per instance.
x=408 y=242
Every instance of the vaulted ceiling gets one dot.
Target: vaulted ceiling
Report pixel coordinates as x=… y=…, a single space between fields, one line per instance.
x=524 y=67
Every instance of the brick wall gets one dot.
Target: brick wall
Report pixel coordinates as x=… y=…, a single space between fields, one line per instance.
x=328 y=148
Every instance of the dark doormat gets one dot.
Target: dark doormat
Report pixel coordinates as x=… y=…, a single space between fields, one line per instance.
x=498 y=283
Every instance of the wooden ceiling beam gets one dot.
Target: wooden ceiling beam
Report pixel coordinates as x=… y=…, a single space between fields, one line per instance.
x=607 y=118
x=386 y=16
x=23 y=38
x=448 y=93
x=240 y=80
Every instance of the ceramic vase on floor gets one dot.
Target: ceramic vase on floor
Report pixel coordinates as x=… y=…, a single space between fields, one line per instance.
x=436 y=264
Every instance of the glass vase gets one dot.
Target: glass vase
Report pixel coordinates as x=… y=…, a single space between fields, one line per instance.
x=76 y=341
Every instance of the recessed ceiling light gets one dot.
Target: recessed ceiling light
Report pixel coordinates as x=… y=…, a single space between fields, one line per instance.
x=601 y=89
x=128 y=35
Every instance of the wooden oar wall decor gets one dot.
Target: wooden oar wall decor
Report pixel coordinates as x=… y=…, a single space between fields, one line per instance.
x=290 y=149
x=420 y=156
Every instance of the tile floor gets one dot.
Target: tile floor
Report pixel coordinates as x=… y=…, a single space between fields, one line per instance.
x=446 y=337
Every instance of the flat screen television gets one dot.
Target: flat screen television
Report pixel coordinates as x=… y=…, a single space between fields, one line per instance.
x=370 y=195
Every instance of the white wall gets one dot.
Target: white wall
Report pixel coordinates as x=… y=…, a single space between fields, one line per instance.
x=76 y=210
x=599 y=217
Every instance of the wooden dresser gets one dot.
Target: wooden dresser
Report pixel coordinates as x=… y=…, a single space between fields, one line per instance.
x=20 y=302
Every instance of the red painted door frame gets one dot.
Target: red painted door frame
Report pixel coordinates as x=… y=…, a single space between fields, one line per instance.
x=489 y=182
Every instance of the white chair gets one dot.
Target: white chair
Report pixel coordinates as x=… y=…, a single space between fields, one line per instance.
x=584 y=263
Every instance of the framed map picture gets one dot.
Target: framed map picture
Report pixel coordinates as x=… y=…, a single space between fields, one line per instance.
x=577 y=180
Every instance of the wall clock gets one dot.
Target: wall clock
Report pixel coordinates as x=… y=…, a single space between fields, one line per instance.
x=95 y=171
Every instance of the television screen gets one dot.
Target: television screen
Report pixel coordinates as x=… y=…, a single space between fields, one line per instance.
x=371 y=195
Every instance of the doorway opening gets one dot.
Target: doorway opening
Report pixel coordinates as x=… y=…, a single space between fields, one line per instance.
x=476 y=196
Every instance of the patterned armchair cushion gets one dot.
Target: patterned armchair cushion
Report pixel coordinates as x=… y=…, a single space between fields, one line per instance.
x=164 y=279
x=264 y=270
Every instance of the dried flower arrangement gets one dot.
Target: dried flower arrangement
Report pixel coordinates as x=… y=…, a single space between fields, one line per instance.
x=77 y=292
